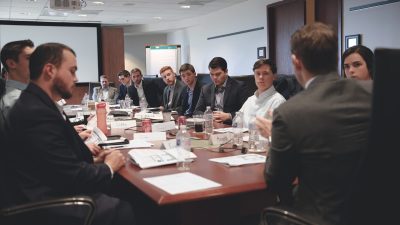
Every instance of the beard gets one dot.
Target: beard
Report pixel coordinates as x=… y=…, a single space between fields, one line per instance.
x=61 y=88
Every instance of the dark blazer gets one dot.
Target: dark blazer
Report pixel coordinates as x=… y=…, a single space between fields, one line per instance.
x=122 y=90
x=179 y=90
x=234 y=97
x=319 y=136
x=150 y=91
x=48 y=158
x=195 y=99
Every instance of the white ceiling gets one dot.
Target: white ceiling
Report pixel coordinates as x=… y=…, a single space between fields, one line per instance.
x=112 y=12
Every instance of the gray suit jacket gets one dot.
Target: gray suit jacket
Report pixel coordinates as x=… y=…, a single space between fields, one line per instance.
x=112 y=94
x=319 y=136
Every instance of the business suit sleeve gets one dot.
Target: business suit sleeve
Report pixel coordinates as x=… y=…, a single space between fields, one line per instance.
x=115 y=97
x=281 y=164
x=201 y=103
x=57 y=163
x=121 y=92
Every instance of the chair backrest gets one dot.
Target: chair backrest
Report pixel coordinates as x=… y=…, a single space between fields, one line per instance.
x=282 y=216
x=73 y=210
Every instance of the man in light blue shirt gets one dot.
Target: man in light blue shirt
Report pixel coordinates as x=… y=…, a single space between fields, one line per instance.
x=15 y=59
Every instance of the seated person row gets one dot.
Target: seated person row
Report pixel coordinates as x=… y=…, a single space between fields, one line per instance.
x=105 y=92
x=225 y=95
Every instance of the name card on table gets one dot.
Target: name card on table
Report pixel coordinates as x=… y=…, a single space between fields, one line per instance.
x=153 y=136
x=169 y=144
x=118 y=127
x=153 y=116
x=163 y=126
x=220 y=139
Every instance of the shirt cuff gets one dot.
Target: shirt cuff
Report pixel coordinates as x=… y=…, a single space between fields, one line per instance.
x=111 y=170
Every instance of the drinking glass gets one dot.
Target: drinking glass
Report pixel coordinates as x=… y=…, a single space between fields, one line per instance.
x=198 y=123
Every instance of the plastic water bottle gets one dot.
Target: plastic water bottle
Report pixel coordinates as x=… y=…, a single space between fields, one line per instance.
x=143 y=104
x=85 y=99
x=253 y=134
x=183 y=144
x=208 y=120
x=237 y=125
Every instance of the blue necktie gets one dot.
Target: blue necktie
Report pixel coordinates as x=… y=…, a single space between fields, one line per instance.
x=190 y=98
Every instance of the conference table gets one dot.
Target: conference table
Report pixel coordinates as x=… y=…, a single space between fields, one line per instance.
x=239 y=200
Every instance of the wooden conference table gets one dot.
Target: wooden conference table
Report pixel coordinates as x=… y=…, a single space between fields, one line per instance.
x=242 y=194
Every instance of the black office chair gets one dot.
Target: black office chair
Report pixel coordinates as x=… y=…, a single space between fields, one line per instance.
x=72 y=211
x=275 y=215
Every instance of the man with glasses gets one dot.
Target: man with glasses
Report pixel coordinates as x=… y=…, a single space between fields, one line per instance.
x=125 y=78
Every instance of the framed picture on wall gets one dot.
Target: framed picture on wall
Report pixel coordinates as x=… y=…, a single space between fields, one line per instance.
x=352 y=40
x=261 y=52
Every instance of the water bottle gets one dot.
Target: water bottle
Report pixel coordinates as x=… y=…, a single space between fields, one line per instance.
x=237 y=124
x=101 y=115
x=183 y=144
x=143 y=104
x=253 y=134
x=85 y=99
x=208 y=120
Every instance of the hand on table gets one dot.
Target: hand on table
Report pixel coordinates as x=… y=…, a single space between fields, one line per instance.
x=220 y=116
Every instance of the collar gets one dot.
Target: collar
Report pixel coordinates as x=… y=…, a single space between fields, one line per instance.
x=309 y=82
x=223 y=85
x=194 y=85
x=270 y=91
x=16 y=84
x=140 y=85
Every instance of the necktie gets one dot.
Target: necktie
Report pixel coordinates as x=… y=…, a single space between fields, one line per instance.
x=170 y=96
x=190 y=98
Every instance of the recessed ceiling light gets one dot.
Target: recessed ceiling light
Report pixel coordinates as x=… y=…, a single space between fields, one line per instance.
x=157 y=18
x=185 y=6
x=25 y=13
x=31 y=0
x=98 y=3
x=128 y=4
x=82 y=15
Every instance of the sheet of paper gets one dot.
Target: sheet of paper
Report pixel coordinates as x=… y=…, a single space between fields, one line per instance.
x=149 y=115
x=246 y=138
x=118 y=127
x=229 y=129
x=169 y=144
x=238 y=160
x=153 y=136
x=181 y=182
x=220 y=139
x=155 y=127
x=97 y=136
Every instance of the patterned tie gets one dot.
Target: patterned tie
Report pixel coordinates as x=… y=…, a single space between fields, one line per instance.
x=190 y=98
x=170 y=96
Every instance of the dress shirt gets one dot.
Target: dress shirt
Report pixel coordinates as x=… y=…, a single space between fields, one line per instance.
x=140 y=92
x=12 y=93
x=260 y=104
x=171 y=94
x=219 y=96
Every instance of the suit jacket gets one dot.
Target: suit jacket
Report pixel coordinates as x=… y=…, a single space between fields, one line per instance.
x=52 y=160
x=179 y=90
x=319 y=136
x=112 y=94
x=150 y=92
x=122 y=91
x=195 y=99
x=234 y=97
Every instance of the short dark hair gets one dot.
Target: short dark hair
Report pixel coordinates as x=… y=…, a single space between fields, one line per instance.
x=136 y=70
x=316 y=45
x=261 y=62
x=103 y=77
x=124 y=73
x=218 y=62
x=185 y=67
x=12 y=50
x=3 y=72
x=365 y=53
x=46 y=53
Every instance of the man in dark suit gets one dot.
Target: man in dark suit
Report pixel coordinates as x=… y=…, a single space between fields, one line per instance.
x=52 y=161
x=125 y=78
x=143 y=89
x=192 y=92
x=320 y=134
x=173 y=92
x=225 y=95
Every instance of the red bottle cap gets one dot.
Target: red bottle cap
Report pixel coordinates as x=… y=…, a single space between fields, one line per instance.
x=101 y=105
